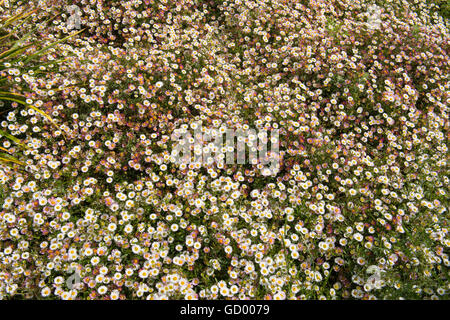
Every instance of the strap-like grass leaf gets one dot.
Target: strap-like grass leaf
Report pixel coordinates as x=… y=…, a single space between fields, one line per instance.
x=12 y=138
x=10 y=159
x=16 y=17
x=3 y=149
x=14 y=51
x=43 y=50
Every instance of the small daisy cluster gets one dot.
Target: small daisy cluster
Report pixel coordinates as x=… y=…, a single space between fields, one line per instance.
x=358 y=210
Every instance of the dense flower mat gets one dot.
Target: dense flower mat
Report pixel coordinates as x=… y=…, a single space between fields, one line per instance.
x=98 y=210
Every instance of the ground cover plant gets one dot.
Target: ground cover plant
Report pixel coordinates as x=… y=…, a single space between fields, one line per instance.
x=93 y=204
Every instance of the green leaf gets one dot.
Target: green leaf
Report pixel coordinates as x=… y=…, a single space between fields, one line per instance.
x=43 y=50
x=12 y=138
x=14 y=51
x=7 y=158
x=31 y=107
